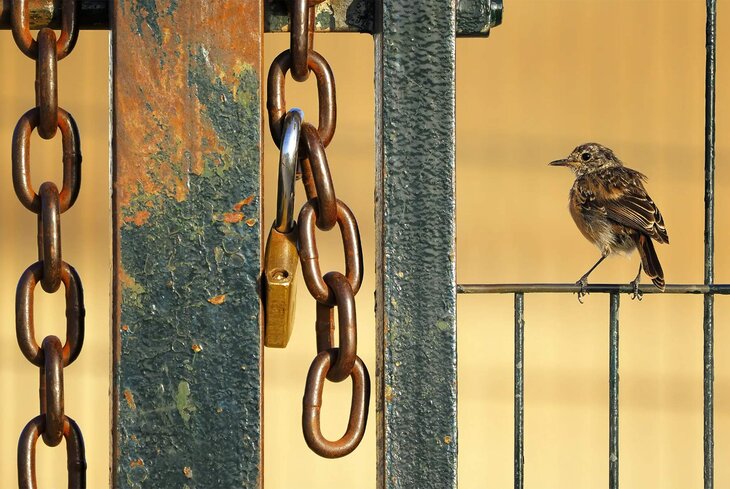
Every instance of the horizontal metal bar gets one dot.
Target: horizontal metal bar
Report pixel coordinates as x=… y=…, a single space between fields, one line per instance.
x=722 y=289
x=474 y=17
x=93 y=15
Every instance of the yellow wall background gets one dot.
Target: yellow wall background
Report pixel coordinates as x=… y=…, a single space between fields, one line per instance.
x=627 y=73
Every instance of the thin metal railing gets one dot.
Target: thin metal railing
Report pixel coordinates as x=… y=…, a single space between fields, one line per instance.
x=519 y=389
x=613 y=392
x=709 y=302
x=722 y=289
x=708 y=289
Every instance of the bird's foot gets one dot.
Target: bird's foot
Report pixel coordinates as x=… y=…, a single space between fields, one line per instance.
x=583 y=283
x=636 y=294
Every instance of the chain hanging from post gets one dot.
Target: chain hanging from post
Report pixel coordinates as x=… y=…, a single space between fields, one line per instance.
x=323 y=210
x=51 y=356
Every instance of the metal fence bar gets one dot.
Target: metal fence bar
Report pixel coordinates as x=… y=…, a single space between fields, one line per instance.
x=722 y=289
x=186 y=148
x=475 y=18
x=708 y=313
x=708 y=391
x=613 y=379
x=416 y=291
x=519 y=390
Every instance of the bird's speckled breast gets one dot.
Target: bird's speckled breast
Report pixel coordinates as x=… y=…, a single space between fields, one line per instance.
x=597 y=228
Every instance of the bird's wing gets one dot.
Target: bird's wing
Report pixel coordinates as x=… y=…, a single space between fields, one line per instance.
x=627 y=203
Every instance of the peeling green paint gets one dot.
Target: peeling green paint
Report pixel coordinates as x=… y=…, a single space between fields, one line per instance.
x=147 y=13
x=177 y=250
x=184 y=402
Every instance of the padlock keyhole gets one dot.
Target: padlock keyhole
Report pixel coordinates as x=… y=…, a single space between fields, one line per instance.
x=280 y=275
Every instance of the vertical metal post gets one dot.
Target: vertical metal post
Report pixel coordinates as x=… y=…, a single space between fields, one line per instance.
x=613 y=379
x=416 y=298
x=519 y=390
x=709 y=299
x=186 y=209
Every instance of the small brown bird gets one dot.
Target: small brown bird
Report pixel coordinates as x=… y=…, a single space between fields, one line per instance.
x=611 y=208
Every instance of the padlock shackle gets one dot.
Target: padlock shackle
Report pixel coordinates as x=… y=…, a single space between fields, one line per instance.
x=288 y=159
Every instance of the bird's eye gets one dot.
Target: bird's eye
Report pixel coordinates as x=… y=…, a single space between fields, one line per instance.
x=585 y=156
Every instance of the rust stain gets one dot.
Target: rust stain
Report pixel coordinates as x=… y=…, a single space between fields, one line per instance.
x=136 y=463
x=388 y=394
x=167 y=137
x=447 y=440
x=218 y=300
x=125 y=327
x=239 y=205
x=251 y=222
x=197 y=348
x=128 y=282
x=233 y=217
x=188 y=472
x=139 y=218
x=130 y=399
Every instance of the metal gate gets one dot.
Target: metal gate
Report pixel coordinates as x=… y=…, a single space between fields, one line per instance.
x=186 y=122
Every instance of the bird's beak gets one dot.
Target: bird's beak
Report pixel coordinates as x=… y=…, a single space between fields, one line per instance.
x=564 y=162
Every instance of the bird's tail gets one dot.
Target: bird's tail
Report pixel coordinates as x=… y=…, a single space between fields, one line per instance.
x=650 y=261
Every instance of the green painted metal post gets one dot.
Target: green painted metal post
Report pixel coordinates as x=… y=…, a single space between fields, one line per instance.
x=416 y=293
x=186 y=213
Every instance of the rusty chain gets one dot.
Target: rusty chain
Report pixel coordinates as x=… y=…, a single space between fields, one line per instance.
x=323 y=210
x=51 y=356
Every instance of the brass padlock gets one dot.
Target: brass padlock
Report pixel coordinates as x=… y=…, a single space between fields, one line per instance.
x=280 y=270
x=281 y=257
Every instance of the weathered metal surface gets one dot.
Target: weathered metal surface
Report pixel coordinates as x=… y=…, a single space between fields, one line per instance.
x=709 y=302
x=187 y=244
x=709 y=390
x=331 y=16
x=93 y=14
x=416 y=292
x=613 y=379
x=519 y=408
x=474 y=17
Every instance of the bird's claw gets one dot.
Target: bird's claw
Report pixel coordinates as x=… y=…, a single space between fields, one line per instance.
x=636 y=294
x=583 y=283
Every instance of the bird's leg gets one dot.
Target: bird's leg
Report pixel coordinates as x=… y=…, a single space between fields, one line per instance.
x=635 y=284
x=583 y=281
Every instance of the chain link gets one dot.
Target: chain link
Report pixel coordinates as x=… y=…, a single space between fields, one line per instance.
x=346 y=314
x=309 y=255
x=323 y=210
x=46 y=84
x=20 y=160
x=312 y=406
x=50 y=270
x=317 y=178
x=276 y=93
